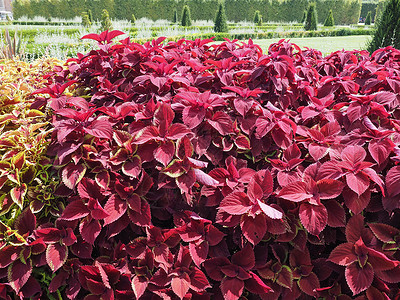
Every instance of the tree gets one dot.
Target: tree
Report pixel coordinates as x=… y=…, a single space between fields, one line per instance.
x=387 y=32
x=186 y=20
x=90 y=15
x=221 y=23
x=257 y=17
x=260 y=22
x=133 y=19
x=368 y=19
x=105 y=21
x=311 y=19
x=175 y=17
x=329 y=19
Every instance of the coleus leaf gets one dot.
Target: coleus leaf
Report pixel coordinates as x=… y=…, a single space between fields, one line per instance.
x=384 y=232
x=236 y=203
x=296 y=192
x=89 y=229
x=313 y=217
x=180 y=285
x=253 y=228
x=100 y=128
x=18 y=194
x=359 y=278
x=72 y=174
x=308 y=284
x=139 y=285
x=19 y=273
x=232 y=288
x=165 y=152
x=56 y=255
x=393 y=181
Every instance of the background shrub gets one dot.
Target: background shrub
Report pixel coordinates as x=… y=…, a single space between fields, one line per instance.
x=368 y=18
x=329 y=21
x=257 y=17
x=186 y=19
x=311 y=19
x=221 y=24
x=105 y=21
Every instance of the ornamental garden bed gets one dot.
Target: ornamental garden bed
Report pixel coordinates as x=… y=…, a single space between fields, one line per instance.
x=193 y=170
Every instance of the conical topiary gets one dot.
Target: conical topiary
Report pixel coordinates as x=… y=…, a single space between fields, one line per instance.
x=387 y=32
x=303 y=19
x=311 y=18
x=89 y=13
x=221 y=23
x=368 y=18
x=175 y=17
x=186 y=20
x=329 y=19
x=260 y=22
x=86 y=20
x=105 y=21
x=257 y=17
x=133 y=19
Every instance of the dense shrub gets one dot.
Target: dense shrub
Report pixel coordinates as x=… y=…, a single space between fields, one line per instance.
x=368 y=19
x=311 y=18
x=221 y=23
x=86 y=20
x=256 y=17
x=346 y=11
x=105 y=21
x=387 y=31
x=175 y=17
x=329 y=21
x=186 y=18
x=214 y=172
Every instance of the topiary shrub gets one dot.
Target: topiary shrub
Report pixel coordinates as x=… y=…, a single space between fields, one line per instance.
x=311 y=18
x=387 y=32
x=303 y=19
x=260 y=22
x=329 y=21
x=90 y=15
x=257 y=17
x=221 y=24
x=133 y=19
x=186 y=19
x=368 y=18
x=175 y=18
x=105 y=21
x=86 y=21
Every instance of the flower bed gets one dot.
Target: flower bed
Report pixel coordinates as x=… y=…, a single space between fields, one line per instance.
x=199 y=171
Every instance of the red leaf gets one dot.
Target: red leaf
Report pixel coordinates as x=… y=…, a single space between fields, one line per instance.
x=193 y=116
x=204 y=178
x=146 y=134
x=270 y=211
x=253 y=229
x=198 y=281
x=26 y=222
x=317 y=151
x=56 y=255
x=222 y=123
x=177 y=131
x=296 y=192
x=89 y=229
x=329 y=188
x=103 y=179
x=380 y=261
x=380 y=150
x=198 y=251
x=256 y=286
x=75 y=210
x=359 y=279
x=100 y=128
x=18 y=194
x=354 y=228
x=180 y=285
x=139 y=285
x=8 y=254
x=391 y=276
x=115 y=208
x=359 y=183
x=186 y=181
x=308 y=284
x=336 y=214
x=354 y=202
x=285 y=277
x=142 y=217
x=244 y=258
x=232 y=288
x=72 y=174
x=343 y=254
x=19 y=273
x=393 y=181
x=384 y=232
x=133 y=167
x=353 y=154
x=165 y=152
x=313 y=217
x=236 y=203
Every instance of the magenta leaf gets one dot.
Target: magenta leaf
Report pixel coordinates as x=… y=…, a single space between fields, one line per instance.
x=236 y=203
x=19 y=273
x=180 y=285
x=232 y=288
x=18 y=194
x=313 y=217
x=73 y=174
x=359 y=279
x=296 y=192
x=100 y=128
x=393 y=181
x=343 y=254
x=56 y=255
x=253 y=228
x=89 y=229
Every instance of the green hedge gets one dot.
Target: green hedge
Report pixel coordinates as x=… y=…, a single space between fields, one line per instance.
x=345 y=11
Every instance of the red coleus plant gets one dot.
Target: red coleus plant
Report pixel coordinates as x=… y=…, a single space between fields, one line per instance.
x=186 y=170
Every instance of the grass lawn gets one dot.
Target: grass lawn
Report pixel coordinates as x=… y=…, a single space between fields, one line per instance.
x=324 y=44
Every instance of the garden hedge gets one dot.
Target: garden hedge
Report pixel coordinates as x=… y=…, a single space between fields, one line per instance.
x=191 y=170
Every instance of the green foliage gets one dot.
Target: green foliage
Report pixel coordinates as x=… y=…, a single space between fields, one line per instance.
x=89 y=13
x=11 y=48
x=346 y=11
x=368 y=18
x=86 y=20
x=221 y=24
x=133 y=19
x=175 y=17
x=387 y=32
x=260 y=22
x=257 y=17
x=186 y=19
x=105 y=21
x=329 y=21
x=311 y=19
x=303 y=19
